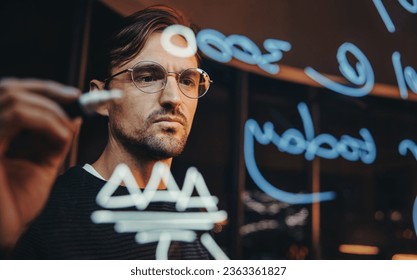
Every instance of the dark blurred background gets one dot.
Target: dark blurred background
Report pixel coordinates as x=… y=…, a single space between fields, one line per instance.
x=372 y=214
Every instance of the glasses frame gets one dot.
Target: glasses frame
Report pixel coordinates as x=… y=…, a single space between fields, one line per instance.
x=167 y=73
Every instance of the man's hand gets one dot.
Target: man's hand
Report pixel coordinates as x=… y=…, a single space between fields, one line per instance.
x=35 y=135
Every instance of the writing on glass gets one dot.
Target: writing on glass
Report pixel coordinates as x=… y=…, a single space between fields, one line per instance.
x=415 y=215
x=360 y=77
x=295 y=142
x=223 y=48
x=409 y=146
x=161 y=226
x=360 y=82
x=408 y=5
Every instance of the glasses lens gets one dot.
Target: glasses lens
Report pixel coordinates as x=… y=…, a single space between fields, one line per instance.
x=194 y=82
x=149 y=77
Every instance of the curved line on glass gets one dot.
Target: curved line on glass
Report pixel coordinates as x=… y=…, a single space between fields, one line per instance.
x=267 y=187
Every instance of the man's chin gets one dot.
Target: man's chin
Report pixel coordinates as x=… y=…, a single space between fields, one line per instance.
x=161 y=154
x=154 y=145
x=166 y=147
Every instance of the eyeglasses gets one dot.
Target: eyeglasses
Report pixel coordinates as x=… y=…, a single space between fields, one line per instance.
x=151 y=77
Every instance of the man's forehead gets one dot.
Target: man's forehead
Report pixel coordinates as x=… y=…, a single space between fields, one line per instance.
x=153 y=50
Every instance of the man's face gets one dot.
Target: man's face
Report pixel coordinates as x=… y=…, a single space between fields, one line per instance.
x=153 y=125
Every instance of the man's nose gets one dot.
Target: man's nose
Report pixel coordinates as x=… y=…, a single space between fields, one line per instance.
x=171 y=94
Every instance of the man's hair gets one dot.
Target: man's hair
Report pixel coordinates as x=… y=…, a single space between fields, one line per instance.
x=136 y=30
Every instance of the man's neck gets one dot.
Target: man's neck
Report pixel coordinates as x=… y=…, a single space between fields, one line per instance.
x=140 y=168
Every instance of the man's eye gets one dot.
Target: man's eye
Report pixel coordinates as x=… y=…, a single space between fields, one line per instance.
x=148 y=79
x=145 y=79
x=188 y=82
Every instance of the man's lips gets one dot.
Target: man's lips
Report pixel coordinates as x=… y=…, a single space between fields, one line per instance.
x=170 y=119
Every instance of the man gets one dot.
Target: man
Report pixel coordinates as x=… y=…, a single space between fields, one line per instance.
x=150 y=123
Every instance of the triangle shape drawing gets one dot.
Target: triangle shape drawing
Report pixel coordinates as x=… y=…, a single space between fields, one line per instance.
x=194 y=181
x=136 y=197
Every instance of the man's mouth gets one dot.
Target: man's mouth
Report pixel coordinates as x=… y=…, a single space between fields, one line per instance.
x=172 y=119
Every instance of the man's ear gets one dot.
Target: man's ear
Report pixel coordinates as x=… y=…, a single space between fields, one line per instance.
x=96 y=85
x=99 y=85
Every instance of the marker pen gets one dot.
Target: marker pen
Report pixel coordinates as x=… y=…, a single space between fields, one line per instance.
x=87 y=103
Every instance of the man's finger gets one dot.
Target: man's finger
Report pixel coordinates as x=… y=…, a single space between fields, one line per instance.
x=53 y=90
x=44 y=123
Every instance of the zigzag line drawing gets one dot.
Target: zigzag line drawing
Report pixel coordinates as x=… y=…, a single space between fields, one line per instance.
x=159 y=226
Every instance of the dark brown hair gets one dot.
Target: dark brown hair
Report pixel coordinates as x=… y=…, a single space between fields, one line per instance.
x=136 y=30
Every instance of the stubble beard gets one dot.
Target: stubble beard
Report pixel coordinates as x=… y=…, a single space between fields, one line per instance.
x=143 y=145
